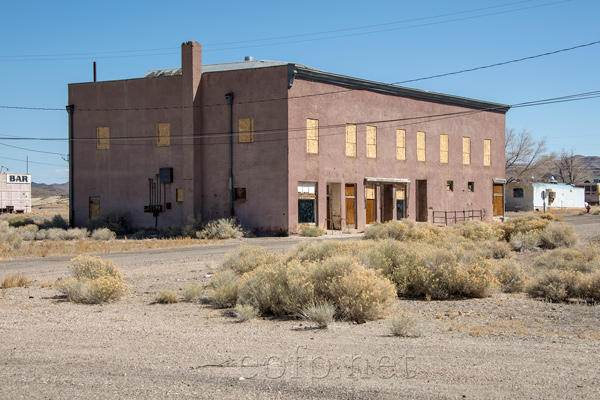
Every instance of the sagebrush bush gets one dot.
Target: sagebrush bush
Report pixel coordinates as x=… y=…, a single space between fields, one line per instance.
x=15 y=280
x=76 y=234
x=322 y=314
x=224 y=285
x=113 y=221
x=403 y=325
x=588 y=287
x=555 y=285
x=103 y=234
x=551 y=217
x=522 y=225
x=11 y=237
x=94 y=281
x=224 y=228
x=525 y=241
x=192 y=291
x=19 y=220
x=166 y=296
x=558 y=235
x=312 y=231
x=245 y=312
x=478 y=230
x=405 y=231
x=189 y=229
x=247 y=258
x=583 y=259
x=511 y=275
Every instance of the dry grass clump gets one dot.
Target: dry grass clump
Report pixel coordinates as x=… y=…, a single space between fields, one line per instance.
x=589 y=287
x=525 y=224
x=558 y=235
x=247 y=258
x=312 y=231
x=224 y=285
x=15 y=280
x=555 y=285
x=166 y=296
x=406 y=230
x=403 y=325
x=478 y=230
x=192 y=291
x=224 y=228
x=551 y=217
x=322 y=314
x=94 y=281
x=245 y=312
x=103 y=234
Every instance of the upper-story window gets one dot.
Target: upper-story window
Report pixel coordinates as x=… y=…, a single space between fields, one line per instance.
x=400 y=144
x=420 y=146
x=312 y=136
x=245 y=130
x=466 y=150
x=371 y=141
x=444 y=149
x=102 y=138
x=487 y=152
x=163 y=135
x=351 y=140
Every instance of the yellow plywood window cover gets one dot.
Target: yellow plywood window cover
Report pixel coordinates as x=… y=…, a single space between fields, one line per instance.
x=487 y=152
x=312 y=136
x=351 y=140
x=370 y=191
x=400 y=192
x=246 y=130
x=163 y=135
x=371 y=141
x=400 y=144
x=444 y=149
x=102 y=138
x=179 y=195
x=466 y=150
x=420 y=146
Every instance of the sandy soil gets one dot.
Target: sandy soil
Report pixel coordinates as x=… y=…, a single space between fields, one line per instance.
x=506 y=346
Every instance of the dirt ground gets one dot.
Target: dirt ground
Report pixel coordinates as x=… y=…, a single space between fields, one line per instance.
x=505 y=346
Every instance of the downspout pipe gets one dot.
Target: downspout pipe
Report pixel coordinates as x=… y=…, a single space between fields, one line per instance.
x=70 y=110
x=229 y=97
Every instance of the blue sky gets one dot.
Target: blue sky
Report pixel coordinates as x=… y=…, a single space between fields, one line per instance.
x=45 y=45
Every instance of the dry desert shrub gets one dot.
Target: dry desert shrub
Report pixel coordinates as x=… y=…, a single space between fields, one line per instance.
x=57 y=221
x=103 y=234
x=15 y=280
x=245 y=312
x=192 y=291
x=224 y=228
x=224 y=285
x=189 y=229
x=551 y=217
x=558 y=235
x=478 y=230
x=403 y=325
x=19 y=220
x=321 y=313
x=525 y=224
x=94 y=281
x=312 y=231
x=555 y=285
x=525 y=241
x=511 y=275
x=10 y=239
x=582 y=259
x=588 y=287
x=247 y=258
x=405 y=231
x=166 y=296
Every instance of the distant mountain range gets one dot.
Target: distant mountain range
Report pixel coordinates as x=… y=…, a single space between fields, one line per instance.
x=592 y=164
x=41 y=190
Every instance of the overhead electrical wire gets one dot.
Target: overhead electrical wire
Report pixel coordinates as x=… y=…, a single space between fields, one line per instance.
x=36 y=151
x=33 y=162
x=120 y=54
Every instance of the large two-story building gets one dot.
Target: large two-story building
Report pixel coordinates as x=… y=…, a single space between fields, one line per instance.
x=279 y=145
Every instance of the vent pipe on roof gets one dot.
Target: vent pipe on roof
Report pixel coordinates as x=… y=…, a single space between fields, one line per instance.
x=248 y=58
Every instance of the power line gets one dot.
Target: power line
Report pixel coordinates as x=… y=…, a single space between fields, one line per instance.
x=33 y=162
x=73 y=56
x=37 y=151
x=407 y=121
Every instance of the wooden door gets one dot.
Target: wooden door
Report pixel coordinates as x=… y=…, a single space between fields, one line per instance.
x=370 y=203
x=351 y=206
x=498 y=200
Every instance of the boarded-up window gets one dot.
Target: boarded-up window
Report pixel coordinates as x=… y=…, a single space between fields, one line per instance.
x=400 y=144
x=371 y=210
x=487 y=152
x=179 y=195
x=102 y=138
x=444 y=149
x=94 y=207
x=312 y=136
x=420 y=146
x=245 y=130
x=466 y=150
x=351 y=140
x=163 y=135
x=307 y=202
x=371 y=141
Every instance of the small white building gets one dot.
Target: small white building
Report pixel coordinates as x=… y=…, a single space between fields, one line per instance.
x=15 y=193
x=527 y=196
